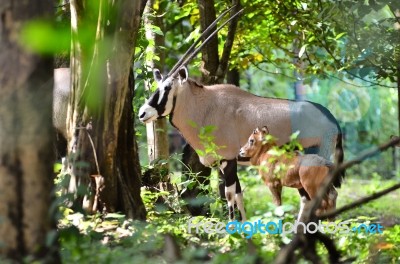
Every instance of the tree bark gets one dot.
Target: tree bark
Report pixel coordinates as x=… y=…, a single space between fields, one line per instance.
x=101 y=109
x=210 y=58
x=26 y=140
x=233 y=77
x=157 y=131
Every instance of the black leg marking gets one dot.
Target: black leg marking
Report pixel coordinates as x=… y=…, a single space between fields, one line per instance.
x=303 y=193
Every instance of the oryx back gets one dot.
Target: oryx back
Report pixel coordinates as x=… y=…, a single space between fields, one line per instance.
x=234 y=113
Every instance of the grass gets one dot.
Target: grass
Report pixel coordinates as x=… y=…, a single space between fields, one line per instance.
x=387 y=208
x=112 y=238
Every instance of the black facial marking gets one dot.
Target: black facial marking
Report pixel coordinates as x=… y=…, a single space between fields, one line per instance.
x=154 y=99
x=171 y=115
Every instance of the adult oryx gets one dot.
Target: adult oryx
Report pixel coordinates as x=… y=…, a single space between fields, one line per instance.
x=235 y=113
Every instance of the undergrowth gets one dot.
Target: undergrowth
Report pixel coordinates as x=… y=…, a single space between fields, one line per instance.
x=164 y=237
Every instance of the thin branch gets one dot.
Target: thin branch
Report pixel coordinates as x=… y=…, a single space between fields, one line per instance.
x=315 y=203
x=359 y=202
x=192 y=47
x=287 y=253
x=337 y=61
x=395 y=16
x=356 y=85
x=93 y=148
x=209 y=37
x=269 y=72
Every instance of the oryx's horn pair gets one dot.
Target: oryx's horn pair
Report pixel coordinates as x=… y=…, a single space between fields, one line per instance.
x=193 y=51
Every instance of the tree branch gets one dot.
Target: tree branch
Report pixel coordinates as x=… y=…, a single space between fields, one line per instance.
x=309 y=213
x=226 y=53
x=308 y=246
x=359 y=202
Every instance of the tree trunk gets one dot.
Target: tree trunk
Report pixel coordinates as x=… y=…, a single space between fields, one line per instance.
x=157 y=131
x=100 y=119
x=233 y=77
x=210 y=58
x=26 y=140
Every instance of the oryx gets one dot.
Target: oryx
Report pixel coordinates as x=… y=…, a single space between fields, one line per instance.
x=296 y=170
x=235 y=113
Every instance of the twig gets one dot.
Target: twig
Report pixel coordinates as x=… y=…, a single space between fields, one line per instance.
x=359 y=202
x=193 y=46
x=314 y=204
x=209 y=37
x=93 y=148
x=287 y=253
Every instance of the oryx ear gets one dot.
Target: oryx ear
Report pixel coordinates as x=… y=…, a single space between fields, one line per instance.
x=182 y=75
x=265 y=130
x=256 y=131
x=157 y=75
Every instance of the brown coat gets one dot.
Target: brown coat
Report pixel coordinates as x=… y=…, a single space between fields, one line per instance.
x=287 y=169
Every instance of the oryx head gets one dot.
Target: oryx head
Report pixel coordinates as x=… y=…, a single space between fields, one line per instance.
x=254 y=143
x=161 y=102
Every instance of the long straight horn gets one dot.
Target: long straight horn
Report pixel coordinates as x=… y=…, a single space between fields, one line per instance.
x=205 y=32
x=209 y=37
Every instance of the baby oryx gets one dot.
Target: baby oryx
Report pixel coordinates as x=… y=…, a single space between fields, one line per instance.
x=291 y=169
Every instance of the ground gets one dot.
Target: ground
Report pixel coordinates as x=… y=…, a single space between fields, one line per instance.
x=112 y=238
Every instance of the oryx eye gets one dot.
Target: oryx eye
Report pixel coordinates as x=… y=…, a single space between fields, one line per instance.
x=251 y=141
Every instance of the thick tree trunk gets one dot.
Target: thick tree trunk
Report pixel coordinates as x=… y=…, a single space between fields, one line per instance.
x=26 y=140
x=101 y=110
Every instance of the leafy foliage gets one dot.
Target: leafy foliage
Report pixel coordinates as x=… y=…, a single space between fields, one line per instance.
x=110 y=238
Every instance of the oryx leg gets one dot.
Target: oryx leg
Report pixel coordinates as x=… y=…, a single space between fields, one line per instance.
x=239 y=201
x=276 y=190
x=233 y=190
x=304 y=198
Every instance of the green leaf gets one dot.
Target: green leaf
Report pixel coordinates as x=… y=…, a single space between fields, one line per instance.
x=294 y=135
x=57 y=167
x=302 y=50
x=43 y=37
x=338 y=36
x=156 y=30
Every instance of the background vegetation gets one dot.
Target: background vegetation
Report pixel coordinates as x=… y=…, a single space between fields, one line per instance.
x=344 y=55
